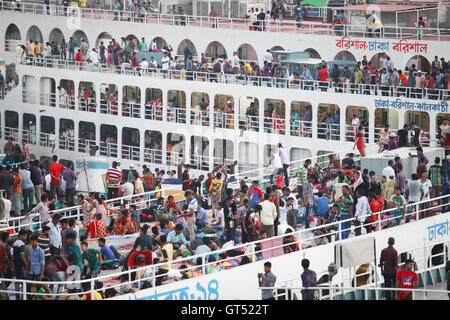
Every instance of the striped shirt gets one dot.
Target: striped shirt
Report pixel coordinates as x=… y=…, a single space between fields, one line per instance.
x=44 y=244
x=113 y=176
x=435 y=175
x=345 y=207
x=445 y=173
x=193 y=204
x=400 y=181
x=302 y=171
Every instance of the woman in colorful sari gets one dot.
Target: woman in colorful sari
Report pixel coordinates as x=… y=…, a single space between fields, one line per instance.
x=97 y=203
x=277 y=124
x=124 y=224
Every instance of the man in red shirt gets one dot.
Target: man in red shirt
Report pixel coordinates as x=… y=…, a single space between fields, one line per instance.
x=185 y=180
x=406 y=278
x=323 y=76
x=79 y=58
x=55 y=174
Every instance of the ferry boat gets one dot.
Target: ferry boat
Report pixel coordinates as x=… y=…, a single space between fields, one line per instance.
x=155 y=118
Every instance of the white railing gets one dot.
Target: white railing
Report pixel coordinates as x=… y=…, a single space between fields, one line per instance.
x=132 y=110
x=274 y=125
x=223 y=120
x=28 y=96
x=85 y=145
x=11 y=44
x=200 y=118
x=47 y=99
x=12 y=132
x=302 y=238
x=87 y=104
x=109 y=108
x=328 y=131
x=350 y=131
x=300 y=128
x=307 y=27
x=176 y=114
x=172 y=158
x=131 y=152
x=47 y=139
x=153 y=112
x=108 y=149
x=361 y=89
x=153 y=155
x=66 y=143
x=28 y=136
x=249 y=123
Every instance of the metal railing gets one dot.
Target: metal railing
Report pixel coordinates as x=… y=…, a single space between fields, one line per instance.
x=300 y=128
x=47 y=99
x=87 y=104
x=153 y=112
x=328 y=131
x=66 y=143
x=12 y=132
x=291 y=84
x=85 y=145
x=28 y=96
x=29 y=136
x=108 y=149
x=274 y=125
x=285 y=26
x=109 y=108
x=132 y=110
x=200 y=118
x=249 y=123
x=47 y=139
x=223 y=120
x=350 y=132
x=177 y=115
x=131 y=152
x=153 y=155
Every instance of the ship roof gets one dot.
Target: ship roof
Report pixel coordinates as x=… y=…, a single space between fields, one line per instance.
x=385 y=7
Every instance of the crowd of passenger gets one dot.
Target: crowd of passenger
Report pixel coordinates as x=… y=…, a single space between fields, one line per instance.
x=213 y=216
x=362 y=78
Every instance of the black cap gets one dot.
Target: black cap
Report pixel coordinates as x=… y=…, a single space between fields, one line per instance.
x=391 y=240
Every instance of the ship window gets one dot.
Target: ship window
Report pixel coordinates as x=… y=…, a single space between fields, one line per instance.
x=224 y=111
x=247 y=52
x=66 y=94
x=420 y=62
x=277 y=48
x=175 y=148
x=86 y=135
x=301 y=119
x=248 y=157
x=131 y=144
x=29 y=89
x=105 y=37
x=351 y=126
x=274 y=116
x=131 y=102
x=268 y=149
x=47 y=92
x=375 y=60
x=134 y=39
x=200 y=108
x=186 y=44
x=153 y=104
x=176 y=106
x=87 y=97
x=153 y=146
x=160 y=42
x=215 y=49
x=78 y=35
x=12 y=37
x=249 y=113
x=66 y=134
x=47 y=133
x=384 y=116
x=223 y=152
x=12 y=125
x=199 y=153
x=345 y=56
x=56 y=36
x=108 y=140
x=440 y=119
x=34 y=34
x=328 y=121
x=313 y=54
x=29 y=128
x=108 y=98
x=422 y=120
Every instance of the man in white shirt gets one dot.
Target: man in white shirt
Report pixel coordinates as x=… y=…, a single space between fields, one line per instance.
x=362 y=209
x=165 y=64
x=355 y=121
x=127 y=187
x=55 y=231
x=284 y=161
x=267 y=213
x=389 y=171
x=153 y=45
x=235 y=62
x=268 y=56
x=144 y=64
x=276 y=165
x=94 y=56
x=152 y=63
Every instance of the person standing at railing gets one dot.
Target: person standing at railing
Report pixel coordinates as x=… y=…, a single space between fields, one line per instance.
x=267 y=279
x=345 y=203
x=389 y=266
x=19 y=261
